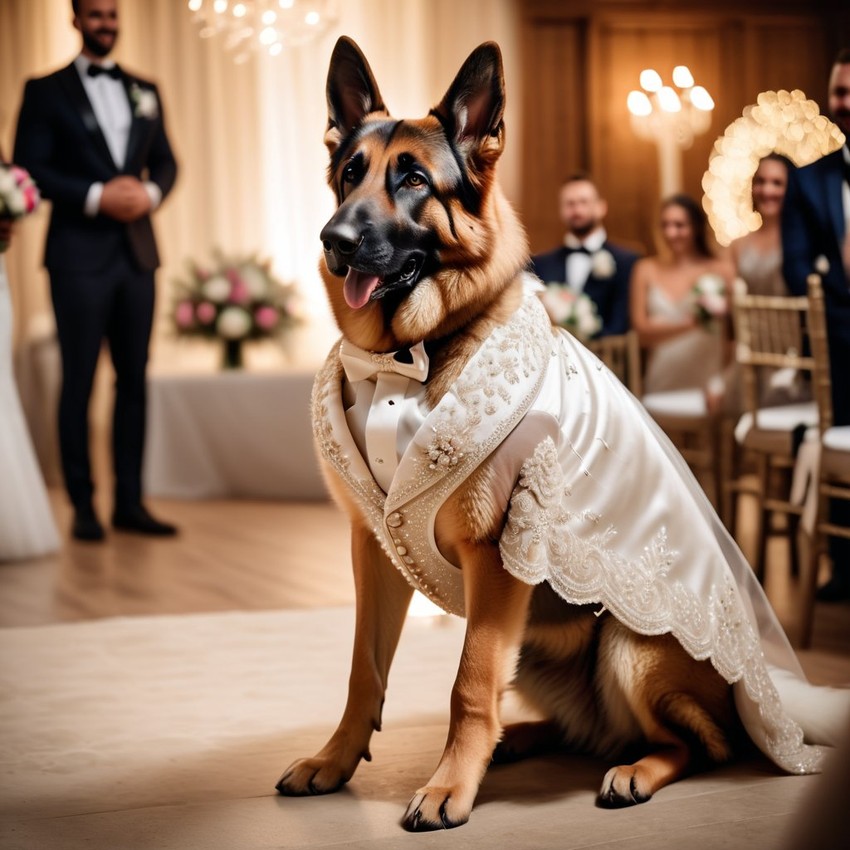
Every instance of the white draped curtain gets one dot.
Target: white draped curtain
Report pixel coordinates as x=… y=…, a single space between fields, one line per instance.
x=248 y=137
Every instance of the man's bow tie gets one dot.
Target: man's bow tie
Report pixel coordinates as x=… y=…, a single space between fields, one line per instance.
x=579 y=250
x=360 y=365
x=96 y=70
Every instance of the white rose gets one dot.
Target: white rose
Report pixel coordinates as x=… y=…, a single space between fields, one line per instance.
x=822 y=265
x=710 y=285
x=7 y=182
x=557 y=303
x=233 y=323
x=587 y=321
x=216 y=289
x=15 y=204
x=603 y=264
x=255 y=280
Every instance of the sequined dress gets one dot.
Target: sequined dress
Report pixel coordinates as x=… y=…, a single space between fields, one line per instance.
x=599 y=505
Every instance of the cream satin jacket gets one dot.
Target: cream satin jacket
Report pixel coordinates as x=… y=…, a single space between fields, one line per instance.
x=599 y=504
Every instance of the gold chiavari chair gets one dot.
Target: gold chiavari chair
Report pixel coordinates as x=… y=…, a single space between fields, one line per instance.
x=832 y=478
x=621 y=354
x=770 y=334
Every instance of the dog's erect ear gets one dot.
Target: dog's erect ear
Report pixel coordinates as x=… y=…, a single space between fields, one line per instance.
x=352 y=92
x=473 y=107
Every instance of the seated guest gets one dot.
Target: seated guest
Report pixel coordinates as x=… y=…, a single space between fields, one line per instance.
x=678 y=305
x=587 y=262
x=757 y=258
x=758 y=255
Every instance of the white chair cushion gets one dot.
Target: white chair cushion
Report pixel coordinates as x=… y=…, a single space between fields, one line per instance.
x=690 y=402
x=784 y=417
x=837 y=438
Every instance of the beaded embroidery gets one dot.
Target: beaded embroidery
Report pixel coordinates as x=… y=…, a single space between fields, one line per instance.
x=496 y=389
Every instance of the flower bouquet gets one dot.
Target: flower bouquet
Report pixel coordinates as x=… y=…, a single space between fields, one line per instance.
x=576 y=313
x=19 y=196
x=235 y=300
x=709 y=300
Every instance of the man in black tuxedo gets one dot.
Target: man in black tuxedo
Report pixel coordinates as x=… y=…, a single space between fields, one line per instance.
x=93 y=138
x=587 y=261
x=816 y=234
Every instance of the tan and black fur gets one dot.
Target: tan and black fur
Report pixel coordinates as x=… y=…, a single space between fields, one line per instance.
x=431 y=250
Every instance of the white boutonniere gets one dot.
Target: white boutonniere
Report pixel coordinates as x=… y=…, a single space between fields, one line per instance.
x=144 y=102
x=821 y=265
x=602 y=264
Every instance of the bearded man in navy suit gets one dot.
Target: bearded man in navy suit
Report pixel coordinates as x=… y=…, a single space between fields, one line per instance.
x=587 y=262
x=816 y=237
x=93 y=137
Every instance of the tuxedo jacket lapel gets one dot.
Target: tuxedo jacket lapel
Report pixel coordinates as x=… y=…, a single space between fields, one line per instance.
x=136 y=125
x=833 y=185
x=70 y=80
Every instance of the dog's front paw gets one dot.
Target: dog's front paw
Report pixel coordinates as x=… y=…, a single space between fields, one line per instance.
x=623 y=786
x=312 y=776
x=437 y=808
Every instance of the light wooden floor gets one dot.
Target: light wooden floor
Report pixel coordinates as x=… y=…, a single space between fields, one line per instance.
x=251 y=556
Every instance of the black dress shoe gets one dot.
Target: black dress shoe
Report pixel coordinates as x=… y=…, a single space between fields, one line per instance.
x=138 y=520
x=86 y=525
x=833 y=591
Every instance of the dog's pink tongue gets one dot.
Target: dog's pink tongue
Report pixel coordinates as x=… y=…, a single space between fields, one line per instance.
x=358 y=287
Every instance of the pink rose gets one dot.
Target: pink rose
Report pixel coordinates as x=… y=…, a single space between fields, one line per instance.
x=266 y=318
x=239 y=292
x=184 y=315
x=205 y=313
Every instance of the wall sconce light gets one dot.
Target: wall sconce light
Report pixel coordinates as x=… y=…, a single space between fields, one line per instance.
x=670 y=116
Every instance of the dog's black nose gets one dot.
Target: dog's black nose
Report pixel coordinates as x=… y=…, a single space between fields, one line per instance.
x=340 y=239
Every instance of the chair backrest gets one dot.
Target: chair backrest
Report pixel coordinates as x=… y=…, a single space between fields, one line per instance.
x=621 y=354
x=821 y=374
x=774 y=332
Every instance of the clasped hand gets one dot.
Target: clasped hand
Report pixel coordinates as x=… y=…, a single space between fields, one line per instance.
x=125 y=199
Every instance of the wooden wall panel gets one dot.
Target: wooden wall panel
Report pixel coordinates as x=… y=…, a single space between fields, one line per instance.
x=554 y=143
x=581 y=59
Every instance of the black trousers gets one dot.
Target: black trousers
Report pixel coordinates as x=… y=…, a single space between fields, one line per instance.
x=839 y=509
x=115 y=305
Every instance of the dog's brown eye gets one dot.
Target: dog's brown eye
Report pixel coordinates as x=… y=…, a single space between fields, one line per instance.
x=414 y=179
x=348 y=175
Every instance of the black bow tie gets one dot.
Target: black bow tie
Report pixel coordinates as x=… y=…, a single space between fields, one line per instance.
x=580 y=250
x=97 y=70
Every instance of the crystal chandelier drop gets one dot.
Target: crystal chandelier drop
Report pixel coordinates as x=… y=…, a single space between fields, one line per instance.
x=247 y=26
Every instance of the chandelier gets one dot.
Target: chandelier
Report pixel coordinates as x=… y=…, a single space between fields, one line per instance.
x=248 y=26
x=671 y=117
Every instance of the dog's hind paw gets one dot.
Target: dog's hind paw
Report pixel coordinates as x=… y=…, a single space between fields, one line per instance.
x=621 y=787
x=307 y=777
x=435 y=808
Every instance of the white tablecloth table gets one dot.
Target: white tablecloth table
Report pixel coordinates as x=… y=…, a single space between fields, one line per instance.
x=231 y=434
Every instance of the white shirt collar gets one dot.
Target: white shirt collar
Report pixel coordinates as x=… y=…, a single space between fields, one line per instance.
x=82 y=64
x=593 y=241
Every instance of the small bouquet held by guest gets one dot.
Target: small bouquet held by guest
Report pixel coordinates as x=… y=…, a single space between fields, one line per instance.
x=236 y=300
x=19 y=196
x=710 y=300
x=575 y=312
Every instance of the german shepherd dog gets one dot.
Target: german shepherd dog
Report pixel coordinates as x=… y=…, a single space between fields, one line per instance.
x=425 y=247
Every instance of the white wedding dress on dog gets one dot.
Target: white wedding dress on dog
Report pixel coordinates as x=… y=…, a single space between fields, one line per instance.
x=599 y=505
x=27 y=529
